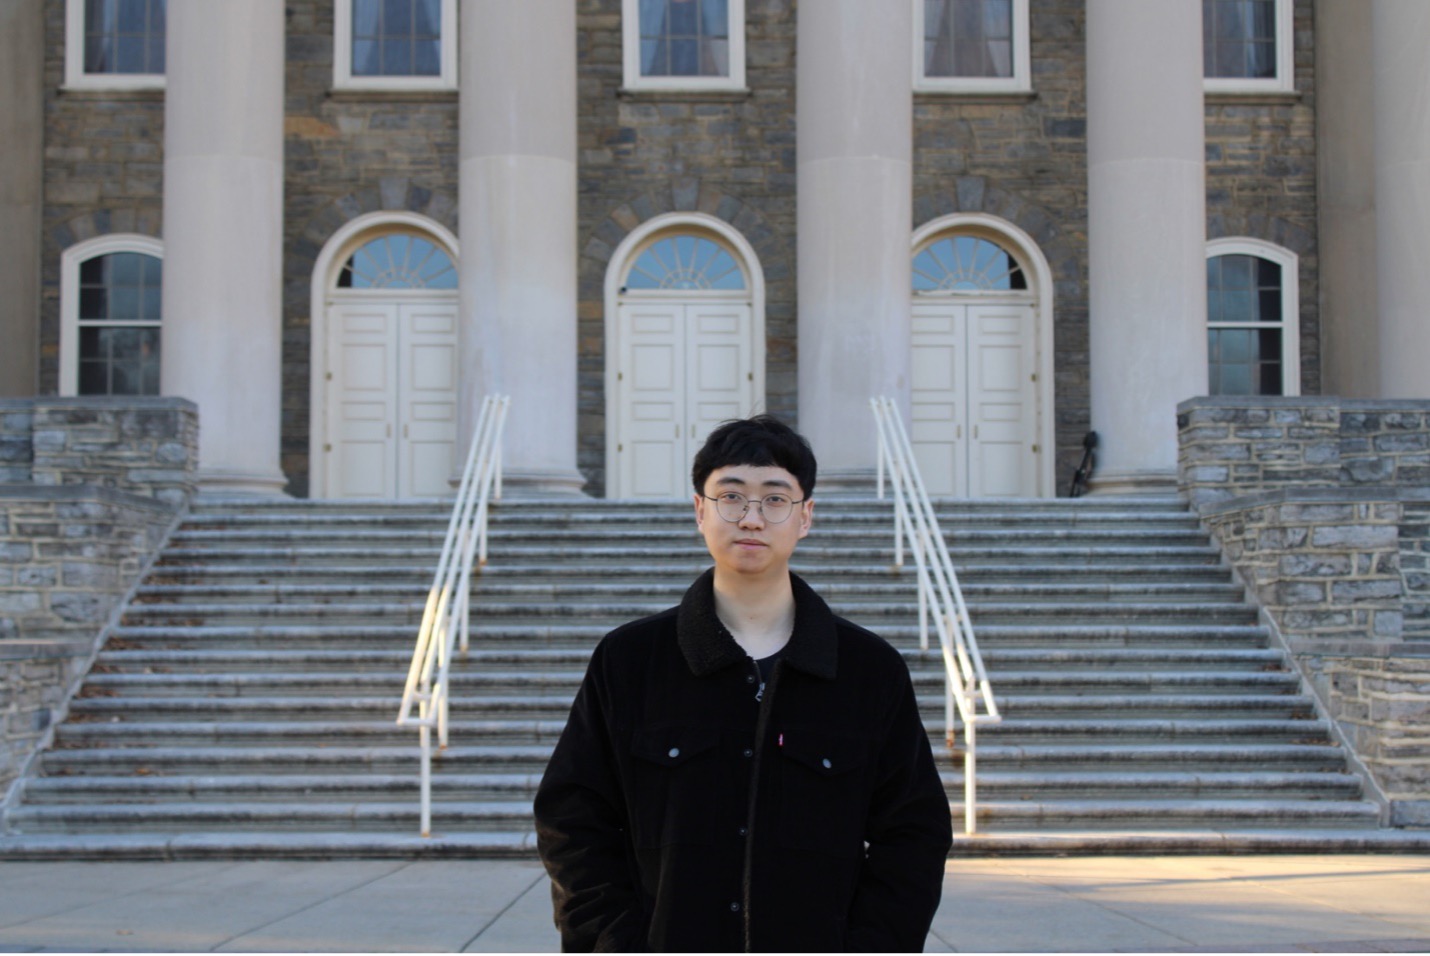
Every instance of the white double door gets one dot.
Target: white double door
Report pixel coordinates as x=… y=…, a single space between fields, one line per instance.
x=682 y=368
x=974 y=409
x=392 y=398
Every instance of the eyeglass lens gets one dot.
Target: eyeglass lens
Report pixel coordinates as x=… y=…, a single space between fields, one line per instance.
x=733 y=507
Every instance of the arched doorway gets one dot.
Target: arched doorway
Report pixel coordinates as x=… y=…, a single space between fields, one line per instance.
x=684 y=349
x=980 y=377
x=385 y=362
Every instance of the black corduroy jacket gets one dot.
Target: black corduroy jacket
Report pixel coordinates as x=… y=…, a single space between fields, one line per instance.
x=680 y=813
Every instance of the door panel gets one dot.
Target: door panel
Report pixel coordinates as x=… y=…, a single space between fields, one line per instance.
x=974 y=413
x=392 y=399
x=684 y=367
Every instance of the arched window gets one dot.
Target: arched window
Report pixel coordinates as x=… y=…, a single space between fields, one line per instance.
x=966 y=264
x=398 y=261
x=685 y=261
x=111 y=305
x=1252 y=343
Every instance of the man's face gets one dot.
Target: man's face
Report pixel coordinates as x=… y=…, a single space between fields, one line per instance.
x=752 y=545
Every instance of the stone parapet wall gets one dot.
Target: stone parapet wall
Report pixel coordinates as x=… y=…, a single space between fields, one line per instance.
x=1384 y=705
x=68 y=555
x=35 y=677
x=1231 y=446
x=1322 y=505
x=1322 y=563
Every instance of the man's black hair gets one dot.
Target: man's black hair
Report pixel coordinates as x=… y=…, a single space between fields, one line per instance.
x=762 y=441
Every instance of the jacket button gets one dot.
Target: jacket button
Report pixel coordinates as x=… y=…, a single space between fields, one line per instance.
x=675 y=752
x=734 y=907
x=749 y=678
x=749 y=752
x=742 y=831
x=827 y=764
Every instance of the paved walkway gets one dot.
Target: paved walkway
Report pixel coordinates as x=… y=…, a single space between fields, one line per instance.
x=1160 y=904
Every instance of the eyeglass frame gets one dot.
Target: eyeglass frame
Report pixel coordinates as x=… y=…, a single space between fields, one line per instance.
x=749 y=501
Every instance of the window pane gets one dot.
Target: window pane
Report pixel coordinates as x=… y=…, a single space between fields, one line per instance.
x=715 y=18
x=429 y=58
x=429 y=18
x=968 y=38
x=366 y=18
x=681 y=19
x=686 y=261
x=1239 y=38
x=684 y=37
x=366 y=61
x=93 y=304
x=684 y=57
x=396 y=16
x=124 y=36
x=653 y=58
x=396 y=58
x=94 y=378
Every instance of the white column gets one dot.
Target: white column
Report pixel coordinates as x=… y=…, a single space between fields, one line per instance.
x=854 y=142
x=22 y=141
x=223 y=235
x=1400 y=38
x=1146 y=233
x=517 y=217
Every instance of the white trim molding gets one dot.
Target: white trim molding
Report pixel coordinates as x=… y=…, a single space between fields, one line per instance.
x=323 y=291
x=1021 y=81
x=1285 y=79
x=1290 y=323
x=631 y=55
x=75 y=76
x=1039 y=274
x=343 y=78
x=624 y=257
x=70 y=261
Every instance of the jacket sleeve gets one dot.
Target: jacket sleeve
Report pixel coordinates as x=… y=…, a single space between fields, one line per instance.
x=909 y=834
x=583 y=836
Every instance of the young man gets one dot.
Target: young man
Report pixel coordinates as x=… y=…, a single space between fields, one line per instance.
x=745 y=771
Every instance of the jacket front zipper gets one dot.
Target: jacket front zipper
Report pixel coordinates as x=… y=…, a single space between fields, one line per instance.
x=762 y=724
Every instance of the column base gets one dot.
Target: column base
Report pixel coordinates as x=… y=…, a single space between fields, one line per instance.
x=224 y=484
x=1134 y=483
x=543 y=484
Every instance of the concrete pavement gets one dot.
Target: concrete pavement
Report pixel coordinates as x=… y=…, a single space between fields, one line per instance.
x=1370 y=903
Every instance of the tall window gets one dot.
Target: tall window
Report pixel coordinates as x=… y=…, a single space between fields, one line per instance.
x=1252 y=341
x=395 y=44
x=110 y=305
x=971 y=45
x=1246 y=45
x=115 y=44
x=684 y=44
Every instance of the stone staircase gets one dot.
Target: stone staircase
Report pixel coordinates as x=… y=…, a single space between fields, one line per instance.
x=245 y=705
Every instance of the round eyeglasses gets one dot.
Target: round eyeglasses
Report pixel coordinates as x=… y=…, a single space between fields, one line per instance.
x=732 y=506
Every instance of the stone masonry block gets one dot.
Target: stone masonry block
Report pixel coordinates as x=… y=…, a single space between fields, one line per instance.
x=1355 y=537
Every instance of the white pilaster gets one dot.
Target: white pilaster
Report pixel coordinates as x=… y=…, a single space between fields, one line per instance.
x=854 y=103
x=1146 y=233
x=1401 y=33
x=517 y=217
x=223 y=235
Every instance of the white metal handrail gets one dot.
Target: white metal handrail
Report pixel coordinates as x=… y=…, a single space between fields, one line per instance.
x=940 y=598
x=445 y=617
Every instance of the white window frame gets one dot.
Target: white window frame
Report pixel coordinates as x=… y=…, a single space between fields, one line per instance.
x=631 y=55
x=1285 y=79
x=1290 y=323
x=75 y=76
x=1020 y=82
x=70 y=261
x=343 y=78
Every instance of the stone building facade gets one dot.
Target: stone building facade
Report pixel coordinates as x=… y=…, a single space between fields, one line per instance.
x=558 y=171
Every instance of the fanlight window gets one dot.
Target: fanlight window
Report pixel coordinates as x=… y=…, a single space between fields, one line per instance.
x=119 y=308
x=398 y=261
x=967 y=264
x=685 y=262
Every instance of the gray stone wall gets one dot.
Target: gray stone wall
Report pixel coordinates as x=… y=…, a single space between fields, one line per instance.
x=1322 y=505
x=346 y=153
x=104 y=173
x=34 y=679
x=1024 y=159
x=1232 y=445
x=1261 y=178
x=1385 y=706
x=640 y=155
x=69 y=554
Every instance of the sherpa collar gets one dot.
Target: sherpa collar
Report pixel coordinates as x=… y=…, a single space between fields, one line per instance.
x=708 y=645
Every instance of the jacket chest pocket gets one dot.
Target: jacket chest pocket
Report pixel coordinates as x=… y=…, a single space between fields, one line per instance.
x=674 y=779
x=824 y=793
